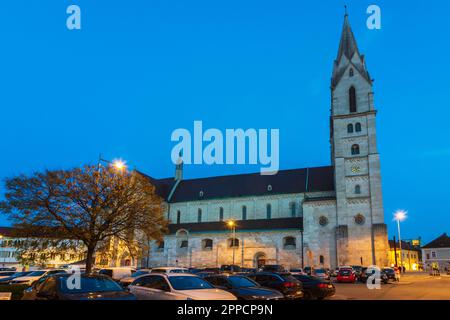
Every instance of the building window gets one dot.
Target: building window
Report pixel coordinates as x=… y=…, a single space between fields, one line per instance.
x=357 y=189
x=350 y=128
x=221 y=214
x=321 y=260
x=244 y=213
x=207 y=244
x=433 y=254
x=352 y=99
x=358 y=127
x=269 y=211
x=233 y=243
x=355 y=149
x=199 y=215
x=183 y=244
x=178 y=217
x=428 y=256
x=289 y=243
x=351 y=72
x=293 y=209
x=160 y=245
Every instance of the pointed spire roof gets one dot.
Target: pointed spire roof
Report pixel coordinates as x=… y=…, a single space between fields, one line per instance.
x=347 y=45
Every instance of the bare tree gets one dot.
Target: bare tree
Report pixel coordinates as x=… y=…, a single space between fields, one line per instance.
x=86 y=204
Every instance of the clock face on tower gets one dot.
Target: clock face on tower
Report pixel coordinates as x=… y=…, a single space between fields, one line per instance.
x=356 y=169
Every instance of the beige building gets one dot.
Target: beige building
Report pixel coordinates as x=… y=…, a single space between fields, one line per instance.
x=323 y=216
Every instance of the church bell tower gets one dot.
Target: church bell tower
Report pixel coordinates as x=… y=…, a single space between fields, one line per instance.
x=361 y=235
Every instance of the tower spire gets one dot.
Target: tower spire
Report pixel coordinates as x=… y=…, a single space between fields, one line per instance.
x=347 y=45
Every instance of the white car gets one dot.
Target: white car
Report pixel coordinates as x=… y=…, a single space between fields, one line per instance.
x=170 y=270
x=128 y=280
x=117 y=273
x=176 y=286
x=35 y=276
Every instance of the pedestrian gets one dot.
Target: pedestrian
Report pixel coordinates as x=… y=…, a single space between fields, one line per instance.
x=404 y=269
x=397 y=274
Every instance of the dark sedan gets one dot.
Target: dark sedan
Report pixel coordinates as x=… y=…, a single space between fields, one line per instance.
x=289 y=286
x=367 y=272
x=243 y=288
x=91 y=287
x=6 y=280
x=315 y=288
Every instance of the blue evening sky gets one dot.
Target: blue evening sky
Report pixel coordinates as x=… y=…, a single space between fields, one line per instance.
x=140 y=69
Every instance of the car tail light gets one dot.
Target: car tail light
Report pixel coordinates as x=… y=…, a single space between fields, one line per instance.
x=322 y=285
x=289 y=284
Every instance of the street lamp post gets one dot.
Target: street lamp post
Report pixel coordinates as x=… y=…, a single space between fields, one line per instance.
x=232 y=225
x=399 y=216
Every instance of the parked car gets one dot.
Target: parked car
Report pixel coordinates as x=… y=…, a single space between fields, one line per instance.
x=243 y=288
x=92 y=287
x=315 y=288
x=308 y=270
x=128 y=280
x=334 y=272
x=170 y=270
x=390 y=273
x=273 y=268
x=15 y=275
x=6 y=274
x=358 y=270
x=212 y=270
x=249 y=270
x=176 y=286
x=228 y=268
x=297 y=271
x=290 y=287
x=34 y=276
x=321 y=273
x=367 y=272
x=117 y=273
x=346 y=275
x=204 y=274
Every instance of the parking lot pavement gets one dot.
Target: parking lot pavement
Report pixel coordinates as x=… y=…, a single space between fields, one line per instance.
x=410 y=288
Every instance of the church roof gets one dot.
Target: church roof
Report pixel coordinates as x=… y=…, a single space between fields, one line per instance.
x=347 y=45
x=254 y=184
x=440 y=242
x=242 y=225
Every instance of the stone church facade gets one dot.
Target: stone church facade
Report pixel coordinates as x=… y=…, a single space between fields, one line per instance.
x=321 y=217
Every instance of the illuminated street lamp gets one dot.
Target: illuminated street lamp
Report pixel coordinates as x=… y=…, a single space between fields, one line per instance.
x=117 y=164
x=232 y=225
x=400 y=215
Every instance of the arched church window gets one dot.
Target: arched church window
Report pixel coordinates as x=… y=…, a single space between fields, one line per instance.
x=321 y=260
x=351 y=72
x=350 y=128
x=244 y=213
x=233 y=243
x=355 y=149
x=178 y=217
x=207 y=244
x=358 y=127
x=352 y=99
x=289 y=243
x=293 y=209
x=221 y=214
x=199 y=215
x=357 y=189
x=269 y=211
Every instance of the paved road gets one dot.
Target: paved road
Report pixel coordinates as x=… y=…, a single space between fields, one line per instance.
x=409 y=288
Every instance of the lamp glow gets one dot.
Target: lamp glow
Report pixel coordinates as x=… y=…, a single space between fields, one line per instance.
x=119 y=165
x=400 y=215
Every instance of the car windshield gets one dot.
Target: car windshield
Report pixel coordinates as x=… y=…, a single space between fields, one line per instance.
x=20 y=274
x=320 y=271
x=241 y=282
x=345 y=272
x=179 y=271
x=36 y=273
x=139 y=273
x=389 y=270
x=88 y=284
x=189 y=283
